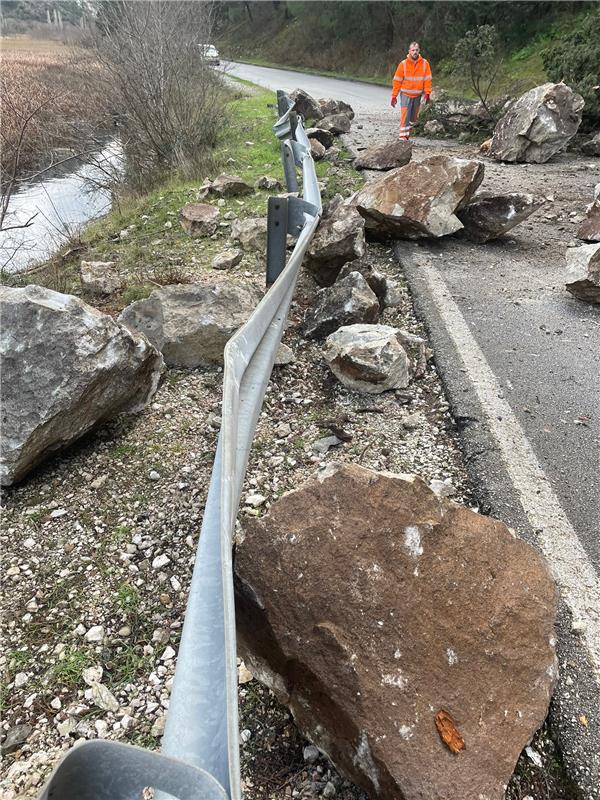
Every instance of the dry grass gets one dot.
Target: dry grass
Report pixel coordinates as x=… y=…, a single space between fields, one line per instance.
x=43 y=102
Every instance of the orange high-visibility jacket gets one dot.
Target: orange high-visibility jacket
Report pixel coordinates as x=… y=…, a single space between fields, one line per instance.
x=412 y=77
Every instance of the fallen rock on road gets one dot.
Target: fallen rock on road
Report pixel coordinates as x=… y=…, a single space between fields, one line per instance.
x=489 y=215
x=354 y=600
x=583 y=272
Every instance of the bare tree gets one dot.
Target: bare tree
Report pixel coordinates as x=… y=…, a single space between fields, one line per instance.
x=169 y=101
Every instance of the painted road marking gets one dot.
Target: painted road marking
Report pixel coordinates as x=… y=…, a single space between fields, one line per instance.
x=572 y=570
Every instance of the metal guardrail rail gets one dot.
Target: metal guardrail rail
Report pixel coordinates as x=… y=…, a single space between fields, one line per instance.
x=200 y=746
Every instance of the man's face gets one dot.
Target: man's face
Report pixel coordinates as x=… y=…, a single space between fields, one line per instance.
x=414 y=51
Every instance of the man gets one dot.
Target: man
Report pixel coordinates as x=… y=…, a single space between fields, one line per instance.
x=412 y=82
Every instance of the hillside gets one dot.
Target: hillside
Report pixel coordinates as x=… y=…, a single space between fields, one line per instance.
x=538 y=41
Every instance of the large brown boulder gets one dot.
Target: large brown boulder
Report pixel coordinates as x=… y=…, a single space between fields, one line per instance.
x=389 y=155
x=378 y=612
x=335 y=123
x=339 y=238
x=330 y=106
x=306 y=105
x=583 y=272
x=420 y=199
x=489 y=215
x=230 y=186
x=538 y=125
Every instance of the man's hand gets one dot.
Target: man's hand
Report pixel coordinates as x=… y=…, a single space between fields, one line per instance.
x=393 y=102
x=425 y=98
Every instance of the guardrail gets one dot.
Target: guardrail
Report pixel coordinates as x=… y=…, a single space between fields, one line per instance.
x=200 y=746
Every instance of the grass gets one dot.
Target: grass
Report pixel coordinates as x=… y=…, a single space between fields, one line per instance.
x=68 y=670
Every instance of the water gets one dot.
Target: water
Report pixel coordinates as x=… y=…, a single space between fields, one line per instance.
x=58 y=206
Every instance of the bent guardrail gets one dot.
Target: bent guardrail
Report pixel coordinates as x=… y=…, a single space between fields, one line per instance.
x=200 y=746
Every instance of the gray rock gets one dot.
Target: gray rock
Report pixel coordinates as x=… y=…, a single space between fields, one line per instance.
x=95 y=634
x=330 y=107
x=317 y=150
x=390 y=155
x=284 y=356
x=227 y=259
x=592 y=146
x=348 y=301
x=251 y=233
x=488 y=216
x=306 y=105
x=104 y=698
x=199 y=219
x=386 y=289
x=326 y=138
x=230 y=186
x=583 y=272
x=589 y=230
x=310 y=753
x=420 y=199
x=339 y=238
x=367 y=358
x=191 y=324
x=100 y=277
x=434 y=128
x=266 y=182
x=15 y=737
x=323 y=445
x=538 y=125
x=66 y=367
x=336 y=124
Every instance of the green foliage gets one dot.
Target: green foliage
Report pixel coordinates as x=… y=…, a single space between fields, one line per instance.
x=479 y=50
x=575 y=59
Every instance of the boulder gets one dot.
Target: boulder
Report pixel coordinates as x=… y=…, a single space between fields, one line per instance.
x=583 y=272
x=306 y=105
x=387 y=618
x=230 y=186
x=329 y=107
x=389 y=155
x=489 y=215
x=538 y=125
x=271 y=184
x=191 y=324
x=336 y=124
x=339 y=238
x=589 y=230
x=325 y=137
x=317 y=150
x=251 y=233
x=386 y=289
x=592 y=146
x=66 y=368
x=434 y=128
x=367 y=358
x=420 y=199
x=348 y=301
x=199 y=219
x=227 y=259
x=100 y=277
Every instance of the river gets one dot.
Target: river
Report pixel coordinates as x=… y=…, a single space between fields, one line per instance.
x=57 y=205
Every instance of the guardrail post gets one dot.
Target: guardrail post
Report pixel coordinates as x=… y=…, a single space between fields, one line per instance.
x=277 y=228
x=289 y=166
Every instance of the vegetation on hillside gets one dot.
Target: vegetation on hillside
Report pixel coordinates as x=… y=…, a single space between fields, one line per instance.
x=367 y=39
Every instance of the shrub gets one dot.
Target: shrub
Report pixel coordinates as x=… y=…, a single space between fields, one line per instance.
x=575 y=59
x=479 y=51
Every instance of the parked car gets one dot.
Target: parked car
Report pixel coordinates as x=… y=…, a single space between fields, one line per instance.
x=210 y=54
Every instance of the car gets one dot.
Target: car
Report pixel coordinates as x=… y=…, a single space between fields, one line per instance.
x=210 y=54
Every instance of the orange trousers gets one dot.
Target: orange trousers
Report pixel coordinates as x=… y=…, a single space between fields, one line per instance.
x=409 y=114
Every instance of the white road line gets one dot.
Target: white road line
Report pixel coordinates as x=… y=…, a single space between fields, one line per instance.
x=572 y=570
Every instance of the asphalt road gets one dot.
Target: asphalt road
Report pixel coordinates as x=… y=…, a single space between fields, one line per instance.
x=520 y=359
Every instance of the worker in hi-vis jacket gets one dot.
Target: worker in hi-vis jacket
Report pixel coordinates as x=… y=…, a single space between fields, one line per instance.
x=412 y=82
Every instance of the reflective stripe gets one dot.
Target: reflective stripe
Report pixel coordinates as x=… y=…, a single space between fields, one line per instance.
x=416 y=79
x=412 y=92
